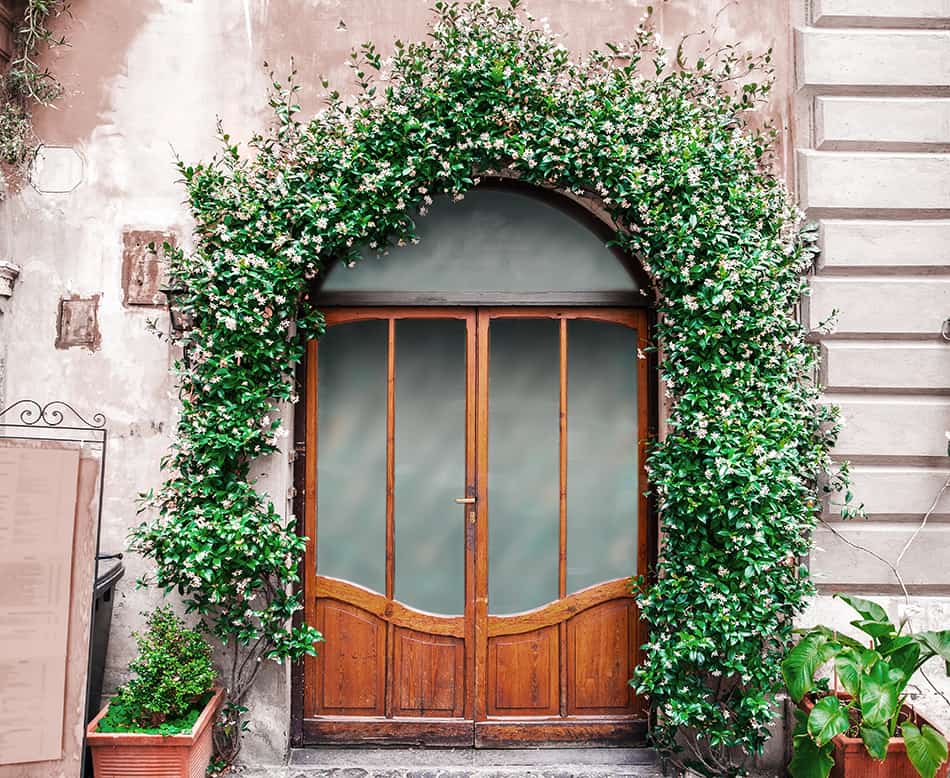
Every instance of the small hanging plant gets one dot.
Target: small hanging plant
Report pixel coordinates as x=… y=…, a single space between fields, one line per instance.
x=667 y=150
x=26 y=84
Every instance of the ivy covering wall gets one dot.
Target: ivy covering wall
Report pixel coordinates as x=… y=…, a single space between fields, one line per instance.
x=669 y=150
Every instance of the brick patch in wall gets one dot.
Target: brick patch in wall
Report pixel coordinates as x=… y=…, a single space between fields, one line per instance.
x=78 y=322
x=143 y=270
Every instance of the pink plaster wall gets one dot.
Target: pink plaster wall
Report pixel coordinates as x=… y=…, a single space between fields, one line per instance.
x=319 y=34
x=144 y=77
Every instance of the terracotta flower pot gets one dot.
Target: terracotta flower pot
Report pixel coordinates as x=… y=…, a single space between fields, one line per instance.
x=852 y=759
x=121 y=754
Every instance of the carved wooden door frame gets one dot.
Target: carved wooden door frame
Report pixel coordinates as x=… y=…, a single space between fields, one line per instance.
x=474 y=643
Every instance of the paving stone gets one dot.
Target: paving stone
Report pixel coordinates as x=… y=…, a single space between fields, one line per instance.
x=520 y=771
x=568 y=771
x=462 y=763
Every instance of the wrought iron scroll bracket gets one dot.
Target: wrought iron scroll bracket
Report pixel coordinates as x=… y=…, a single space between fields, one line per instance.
x=53 y=415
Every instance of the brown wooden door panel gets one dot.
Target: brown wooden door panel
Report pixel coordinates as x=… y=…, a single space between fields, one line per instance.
x=428 y=675
x=523 y=674
x=352 y=662
x=601 y=653
x=594 y=633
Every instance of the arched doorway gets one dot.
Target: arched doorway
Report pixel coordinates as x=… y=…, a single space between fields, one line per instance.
x=475 y=423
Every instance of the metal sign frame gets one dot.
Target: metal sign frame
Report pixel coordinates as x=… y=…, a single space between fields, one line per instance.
x=59 y=421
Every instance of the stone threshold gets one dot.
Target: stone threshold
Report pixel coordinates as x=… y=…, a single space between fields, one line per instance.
x=463 y=763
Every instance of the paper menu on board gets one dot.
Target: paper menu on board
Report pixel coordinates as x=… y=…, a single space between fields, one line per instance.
x=38 y=487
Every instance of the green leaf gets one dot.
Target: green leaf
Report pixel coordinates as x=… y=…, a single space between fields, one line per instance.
x=876 y=629
x=938 y=643
x=833 y=635
x=851 y=664
x=870 y=611
x=810 y=760
x=888 y=647
x=905 y=659
x=827 y=719
x=880 y=689
x=875 y=737
x=801 y=662
x=926 y=748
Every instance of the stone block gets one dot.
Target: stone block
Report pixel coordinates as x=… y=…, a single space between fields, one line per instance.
x=78 y=322
x=851 y=57
x=896 y=493
x=892 y=425
x=921 y=244
x=880 y=304
x=143 y=269
x=876 y=122
x=875 y=364
x=874 y=181
x=835 y=563
x=882 y=12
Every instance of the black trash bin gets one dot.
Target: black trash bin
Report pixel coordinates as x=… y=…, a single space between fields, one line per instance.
x=101 y=623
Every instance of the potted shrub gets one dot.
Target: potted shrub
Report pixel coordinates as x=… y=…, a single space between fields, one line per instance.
x=863 y=729
x=160 y=722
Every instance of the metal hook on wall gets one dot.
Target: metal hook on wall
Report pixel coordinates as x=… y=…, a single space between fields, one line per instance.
x=945 y=330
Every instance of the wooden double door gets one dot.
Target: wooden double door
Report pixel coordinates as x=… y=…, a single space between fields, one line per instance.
x=475 y=512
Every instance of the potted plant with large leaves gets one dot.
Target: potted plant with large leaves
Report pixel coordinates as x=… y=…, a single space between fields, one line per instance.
x=859 y=725
x=160 y=722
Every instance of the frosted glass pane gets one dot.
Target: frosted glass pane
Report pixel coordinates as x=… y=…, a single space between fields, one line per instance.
x=490 y=241
x=430 y=464
x=523 y=466
x=351 y=453
x=601 y=453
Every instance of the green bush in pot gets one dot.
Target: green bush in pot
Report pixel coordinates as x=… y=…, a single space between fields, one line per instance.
x=173 y=679
x=873 y=680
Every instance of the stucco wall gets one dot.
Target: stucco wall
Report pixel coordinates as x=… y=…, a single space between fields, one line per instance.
x=144 y=77
x=872 y=130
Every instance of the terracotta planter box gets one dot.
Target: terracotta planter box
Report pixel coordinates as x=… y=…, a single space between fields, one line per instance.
x=852 y=759
x=122 y=754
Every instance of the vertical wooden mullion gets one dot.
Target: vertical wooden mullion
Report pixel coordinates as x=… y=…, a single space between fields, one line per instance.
x=562 y=512
x=562 y=488
x=390 y=458
x=481 y=526
x=390 y=501
x=471 y=490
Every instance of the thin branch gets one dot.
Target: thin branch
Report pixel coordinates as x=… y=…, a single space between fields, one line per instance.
x=874 y=554
x=912 y=538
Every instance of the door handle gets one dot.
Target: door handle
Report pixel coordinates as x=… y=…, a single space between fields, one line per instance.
x=467 y=501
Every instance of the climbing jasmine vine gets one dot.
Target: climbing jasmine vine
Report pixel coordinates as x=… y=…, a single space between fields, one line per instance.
x=673 y=153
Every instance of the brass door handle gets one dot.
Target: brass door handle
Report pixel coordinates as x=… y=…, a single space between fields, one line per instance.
x=465 y=500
